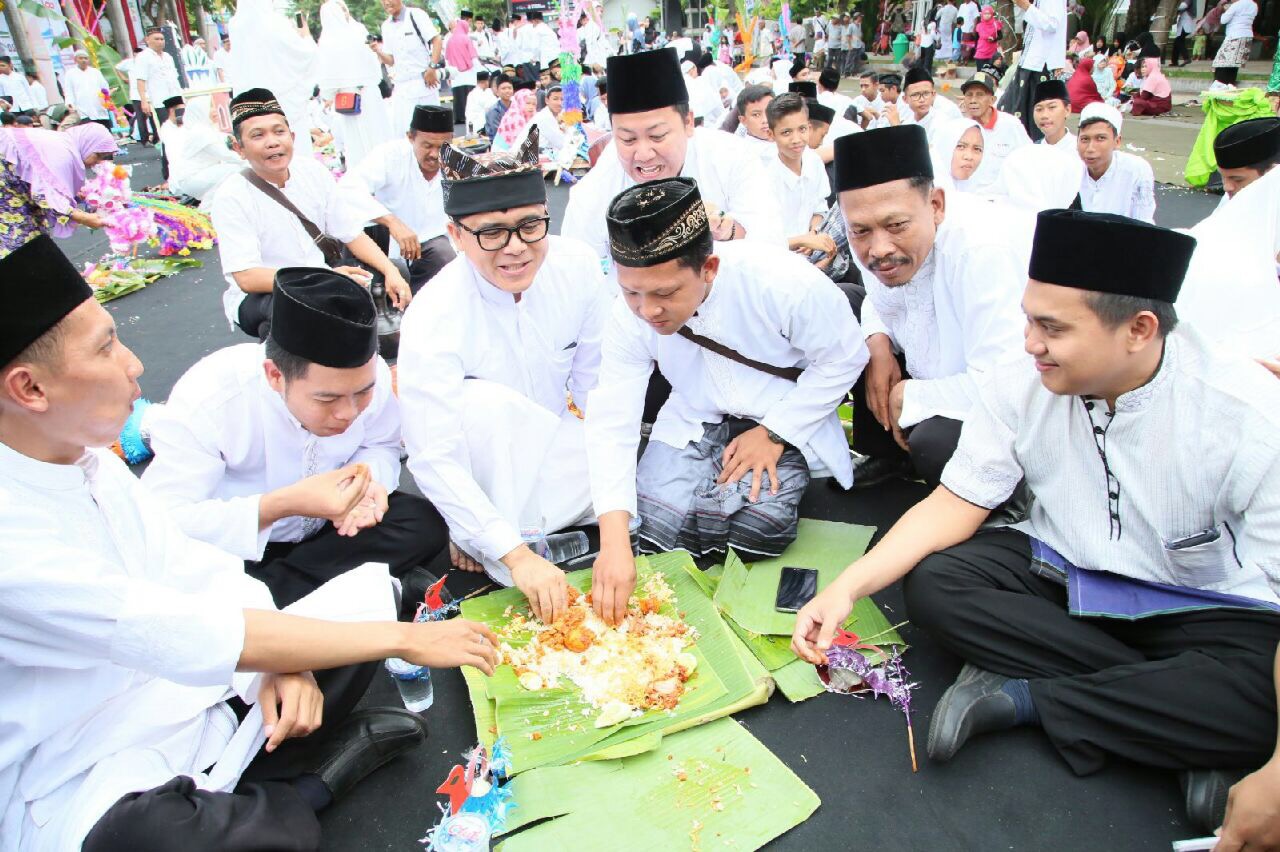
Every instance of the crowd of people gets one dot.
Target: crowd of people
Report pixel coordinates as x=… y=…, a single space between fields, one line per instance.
x=1091 y=397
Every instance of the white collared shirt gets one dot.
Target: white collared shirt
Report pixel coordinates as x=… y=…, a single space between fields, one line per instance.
x=1127 y=188
x=1067 y=143
x=767 y=304
x=478 y=103
x=411 y=52
x=390 y=174
x=547 y=42
x=943 y=111
x=15 y=89
x=1045 y=35
x=119 y=641
x=961 y=313
x=160 y=73
x=543 y=346
x=84 y=90
x=729 y=175
x=255 y=231
x=838 y=102
x=800 y=196
x=998 y=142
x=1197 y=448
x=225 y=438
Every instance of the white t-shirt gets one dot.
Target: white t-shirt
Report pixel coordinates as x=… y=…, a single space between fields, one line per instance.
x=160 y=73
x=800 y=196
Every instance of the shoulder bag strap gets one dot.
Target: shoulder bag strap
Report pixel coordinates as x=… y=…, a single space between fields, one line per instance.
x=330 y=246
x=791 y=374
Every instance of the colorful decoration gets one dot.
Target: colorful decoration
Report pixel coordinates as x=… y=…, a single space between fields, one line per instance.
x=849 y=671
x=784 y=21
x=748 y=32
x=118 y=116
x=479 y=799
x=134 y=445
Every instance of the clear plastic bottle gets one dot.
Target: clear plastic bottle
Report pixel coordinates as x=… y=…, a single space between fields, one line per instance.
x=414 y=683
x=557 y=548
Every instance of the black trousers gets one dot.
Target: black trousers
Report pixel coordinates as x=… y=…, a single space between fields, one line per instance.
x=161 y=116
x=460 y=94
x=1186 y=691
x=105 y=122
x=145 y=125
x=264 y=812
x=1226 y=75
x=436 y=252
x=932 y=441
x=1180 y=51
x=411 y=533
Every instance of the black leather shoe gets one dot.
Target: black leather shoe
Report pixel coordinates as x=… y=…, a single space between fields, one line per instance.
x=1204 y=792
x=869 y=471
x=972 y=705
x=366 y=740
x=414 y=585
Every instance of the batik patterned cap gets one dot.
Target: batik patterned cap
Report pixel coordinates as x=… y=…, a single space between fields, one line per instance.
x=479 y=183
x=252 y=103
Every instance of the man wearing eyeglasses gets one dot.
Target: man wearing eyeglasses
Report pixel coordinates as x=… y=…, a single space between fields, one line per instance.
x=491 y=353
x=926 y=108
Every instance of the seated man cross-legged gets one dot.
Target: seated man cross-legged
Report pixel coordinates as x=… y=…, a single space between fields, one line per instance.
x=760 y=347
x=261 y=448
x=1135 y=614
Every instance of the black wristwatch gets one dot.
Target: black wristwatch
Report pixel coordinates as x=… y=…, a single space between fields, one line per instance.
x=774 y=436
x=437 y=65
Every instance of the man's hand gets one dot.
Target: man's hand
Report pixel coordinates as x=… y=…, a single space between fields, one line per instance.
x=146 y=107
x=1253 y=813
x=895 y=414
x=1272 y=365
x=398 y=289
x=891 y=113
x=368 y=512
x=410 y=248
x=541 y=582
x=613 y=579
x=359 y=275
x=817 y=623
x=292 y=706
x=432 y=78
x=330 y=495
x=755 y=452
x=462 y=560
x=450 y=644
x=883 y=373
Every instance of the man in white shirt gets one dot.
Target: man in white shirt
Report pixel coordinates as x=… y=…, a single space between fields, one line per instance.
x=551 y=132
x=258 y=445
x=1044 y=53
x=942 y=290
x=1050 y=110
x=760 y=347
x=157 y=76
x=403 y=176
x=1134 y=615
x=799 y=178
x=868 y=101
x=544 y=38
x=489 y=355
x=946 y=18
x=968 y=14
x=924 y=107
x=258 y=233
x=1115 y=181
x=891 y=110
x=140 y=124
x=654 y=137
x=14 y=89
x=83 y=85
x=836 y=45
x=753 y=121
x=828 y=83
x=1001 y=132
x=1245 y=151
x=479 y=101
x=131 y=655
x=411 y=47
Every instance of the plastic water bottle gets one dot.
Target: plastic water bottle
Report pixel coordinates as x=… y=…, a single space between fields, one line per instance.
x=414 y=683
x=633 y=529
x=557 y=548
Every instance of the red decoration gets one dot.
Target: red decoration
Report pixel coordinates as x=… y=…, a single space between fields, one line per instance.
x=456 y=788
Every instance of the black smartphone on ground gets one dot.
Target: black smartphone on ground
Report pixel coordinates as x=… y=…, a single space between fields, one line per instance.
x=796 y=587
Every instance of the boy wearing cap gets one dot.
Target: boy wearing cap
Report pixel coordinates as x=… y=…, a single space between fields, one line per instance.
x=1246 y=151
x=942 y=298
x=1050 y=111
x=654 y=138
x=1001 y=132
x=489 y=354
x=133 y=655
x=258 y=445
x=83 y=85
x=925 y=108
x=799 y=178
x=889 y=87
x=828 y=84
x=479 y=102
x=760 y=347
x=280 y=212
x=1115 y=181
x=1135 y=614
x=403 y=176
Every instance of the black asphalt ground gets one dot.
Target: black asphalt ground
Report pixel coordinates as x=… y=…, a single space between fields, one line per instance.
x=1006 y=791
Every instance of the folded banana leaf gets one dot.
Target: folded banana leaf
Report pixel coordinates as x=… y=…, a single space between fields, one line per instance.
x=713 y=787
x=554 y=726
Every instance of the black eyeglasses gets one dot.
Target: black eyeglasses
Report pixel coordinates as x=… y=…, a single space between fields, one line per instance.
x=497 y=237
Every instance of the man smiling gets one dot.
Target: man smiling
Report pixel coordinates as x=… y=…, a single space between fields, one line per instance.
x=487 y=353
x=279 y=211
x=653 y=139
x=760 y=348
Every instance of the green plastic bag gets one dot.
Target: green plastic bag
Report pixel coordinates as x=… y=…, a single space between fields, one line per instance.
x=1221 y=110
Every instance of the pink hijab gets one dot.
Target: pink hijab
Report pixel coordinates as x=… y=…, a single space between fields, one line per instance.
x=459 y=51
x=514 y=119
x=1154 y=82
x=52 y=164
x=1079 y=44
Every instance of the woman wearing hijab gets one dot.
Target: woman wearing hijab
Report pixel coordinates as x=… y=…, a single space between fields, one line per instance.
x=344 y=65
x=523 y=106
x=205 y=160
x=1155 y=96
x=461 y=57
x=956 y=151
x=1081 y=86
x=988 y=30
x=1080 y=45
x=41 y=173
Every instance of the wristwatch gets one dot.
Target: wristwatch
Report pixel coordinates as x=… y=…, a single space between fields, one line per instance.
x=774 y=436
x=437 y=65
